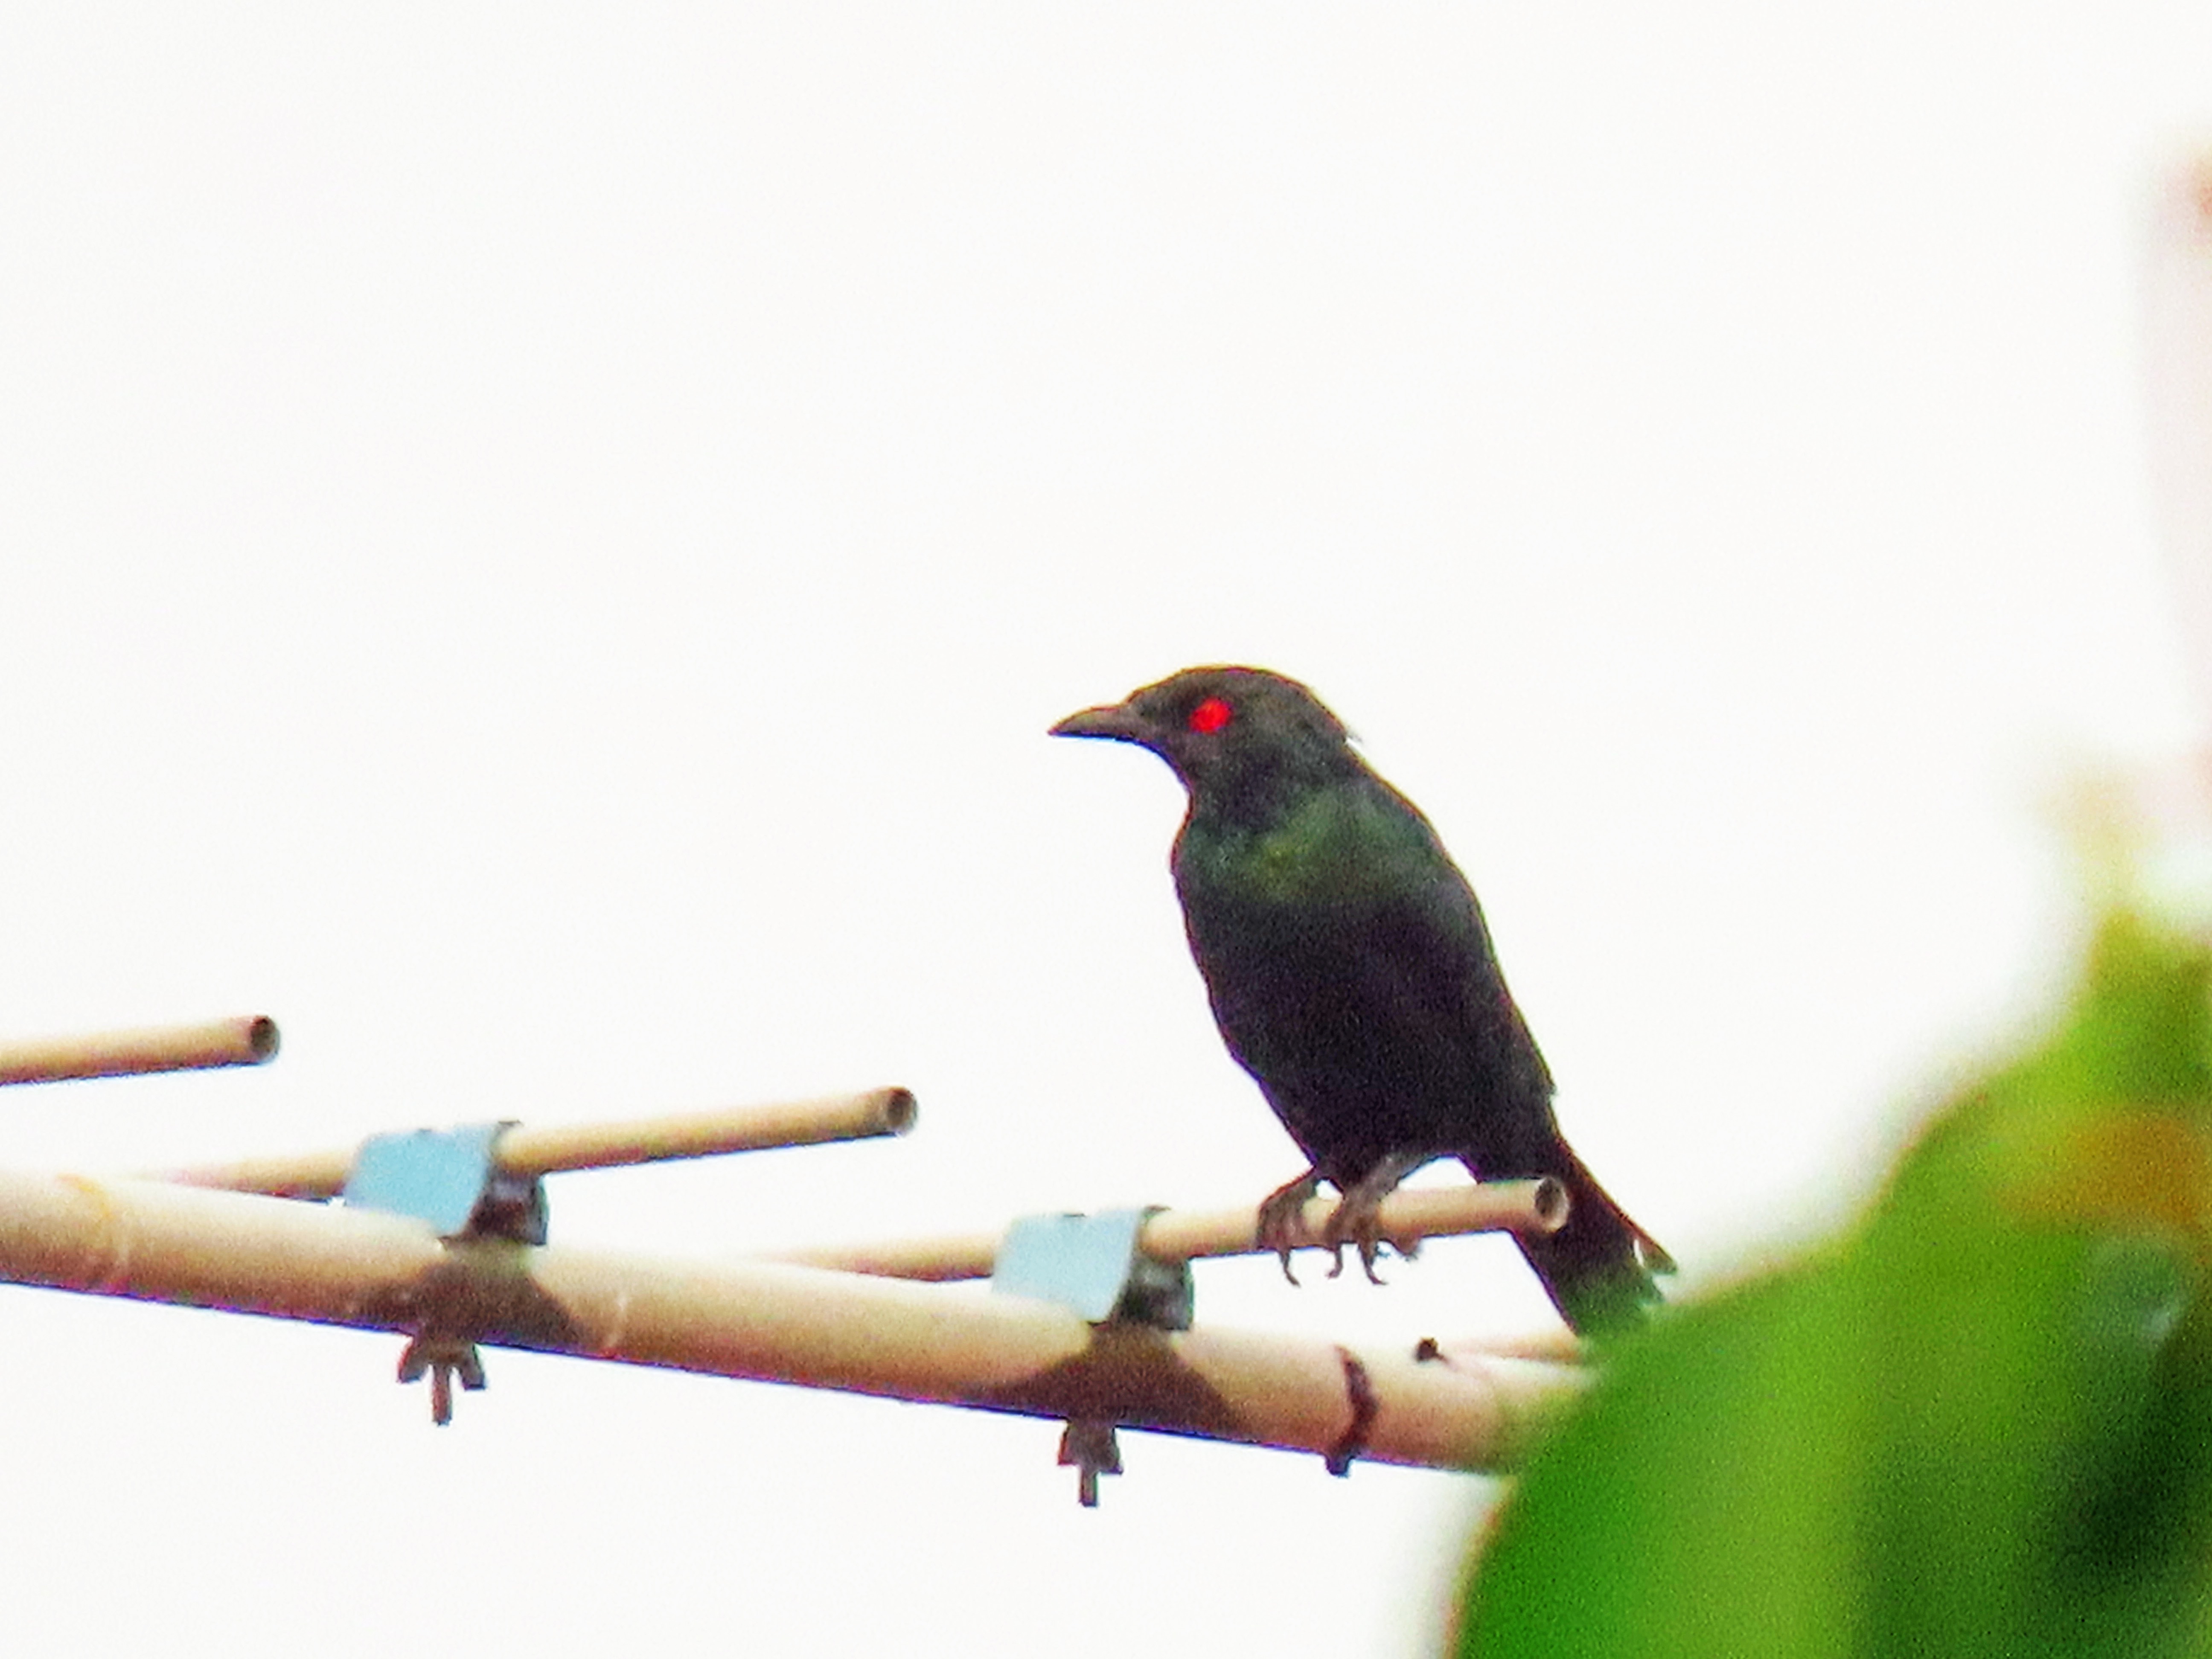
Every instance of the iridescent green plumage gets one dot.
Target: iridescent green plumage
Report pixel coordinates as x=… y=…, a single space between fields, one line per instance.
x=1351 y=973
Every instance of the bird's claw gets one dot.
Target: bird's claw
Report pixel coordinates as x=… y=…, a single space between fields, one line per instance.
x=1358 y=1218
x=1361 y=1235
x=1281 y=1225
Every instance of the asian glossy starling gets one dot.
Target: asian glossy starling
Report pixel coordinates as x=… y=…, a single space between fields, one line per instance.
x=1352 y=975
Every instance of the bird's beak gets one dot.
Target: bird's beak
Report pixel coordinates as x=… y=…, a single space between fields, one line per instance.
x=1115 y=720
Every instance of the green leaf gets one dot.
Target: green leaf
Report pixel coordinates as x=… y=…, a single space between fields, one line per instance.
x=1980 y=1424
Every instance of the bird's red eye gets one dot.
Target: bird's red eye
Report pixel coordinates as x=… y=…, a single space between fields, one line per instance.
x=1211 y=715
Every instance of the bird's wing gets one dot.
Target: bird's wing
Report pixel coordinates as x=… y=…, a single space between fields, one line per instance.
x=1425 y=966
x=1371 y=1011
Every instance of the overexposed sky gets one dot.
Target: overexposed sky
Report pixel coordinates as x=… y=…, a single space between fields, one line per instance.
x=538 y=547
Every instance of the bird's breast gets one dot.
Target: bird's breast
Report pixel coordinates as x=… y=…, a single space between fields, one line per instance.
x=1321 y=855
x=1283 y=923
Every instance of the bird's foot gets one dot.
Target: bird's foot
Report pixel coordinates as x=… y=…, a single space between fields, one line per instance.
x=1359 y=1229
x=1281 y=1226
x=1358 y=1218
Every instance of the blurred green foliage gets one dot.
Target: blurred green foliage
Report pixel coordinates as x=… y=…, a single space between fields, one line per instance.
x=1979 y=1424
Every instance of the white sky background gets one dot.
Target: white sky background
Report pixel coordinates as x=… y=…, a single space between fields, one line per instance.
x=539 y=547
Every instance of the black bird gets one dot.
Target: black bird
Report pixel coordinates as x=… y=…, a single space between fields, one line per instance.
x=1352 y=975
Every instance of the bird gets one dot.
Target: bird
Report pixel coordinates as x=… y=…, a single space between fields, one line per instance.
x=1351 y=974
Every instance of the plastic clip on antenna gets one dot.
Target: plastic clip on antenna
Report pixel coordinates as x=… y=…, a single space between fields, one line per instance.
x=449 y=1178
x=1091 y=1266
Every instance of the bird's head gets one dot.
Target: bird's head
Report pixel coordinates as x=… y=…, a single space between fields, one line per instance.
x=1219 y=724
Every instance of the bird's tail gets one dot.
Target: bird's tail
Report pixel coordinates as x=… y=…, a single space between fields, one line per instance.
x=1598 y=1269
